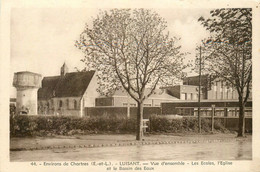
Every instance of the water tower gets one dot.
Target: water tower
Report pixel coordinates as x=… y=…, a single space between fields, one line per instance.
x=27 y=85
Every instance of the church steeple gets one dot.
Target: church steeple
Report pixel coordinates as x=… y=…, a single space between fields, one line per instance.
x=64 y=69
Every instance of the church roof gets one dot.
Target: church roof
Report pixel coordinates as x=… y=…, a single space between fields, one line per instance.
x=71 y=85
x=48 y=87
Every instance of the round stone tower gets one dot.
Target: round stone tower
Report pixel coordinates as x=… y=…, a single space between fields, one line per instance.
x=27 y=85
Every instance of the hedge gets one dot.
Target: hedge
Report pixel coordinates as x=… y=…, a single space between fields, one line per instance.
x=24 y=125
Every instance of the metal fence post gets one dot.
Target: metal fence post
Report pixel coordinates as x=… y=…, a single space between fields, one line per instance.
x=212 y=117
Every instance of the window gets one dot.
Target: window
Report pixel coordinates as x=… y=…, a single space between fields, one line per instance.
x=231 y=93
x=179 y=111
x=147 y=105
x=248 y=111
x=226 y=92
x=185 y=111
x=215 y=86
x=188 y=96
x=182 y=96
x=60 y=104
x=221 y=90
x=131 y=104
x=194 y=96
x=68 y=103
x=75 y=104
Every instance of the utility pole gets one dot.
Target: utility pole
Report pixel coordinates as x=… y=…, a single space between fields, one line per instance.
x=199 y=119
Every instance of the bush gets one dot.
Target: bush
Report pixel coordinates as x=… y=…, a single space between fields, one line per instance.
x=219 y=125
x=22 y=125
x=12 y=109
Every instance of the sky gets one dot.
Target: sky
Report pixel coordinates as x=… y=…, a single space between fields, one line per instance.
x=42 y=39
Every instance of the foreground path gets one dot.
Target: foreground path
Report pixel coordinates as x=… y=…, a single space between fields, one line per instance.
x=124 y=147
x=41 y=143
x=229 y=150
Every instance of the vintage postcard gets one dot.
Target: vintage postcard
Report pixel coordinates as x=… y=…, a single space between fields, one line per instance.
x=130 y=85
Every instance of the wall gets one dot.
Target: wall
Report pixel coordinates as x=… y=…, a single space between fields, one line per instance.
x=150 y=102
x=184 y=92
x=120 y=101
x=26 y=100
x=120 y=111
x=27 y=84
x=104 y=101
x=52 y=106
x=190 y=92
x=91 y=93
x=219 y=90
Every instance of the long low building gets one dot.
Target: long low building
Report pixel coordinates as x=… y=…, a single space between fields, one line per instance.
x=223 y=108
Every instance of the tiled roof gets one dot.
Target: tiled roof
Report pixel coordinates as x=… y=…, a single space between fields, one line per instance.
x=71 y=85
x=48 y=87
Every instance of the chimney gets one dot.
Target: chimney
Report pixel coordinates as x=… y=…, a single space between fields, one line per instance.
x=63 y=70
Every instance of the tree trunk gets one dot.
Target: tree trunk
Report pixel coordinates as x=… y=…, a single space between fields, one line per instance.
x=241 y=123
x=139 y=131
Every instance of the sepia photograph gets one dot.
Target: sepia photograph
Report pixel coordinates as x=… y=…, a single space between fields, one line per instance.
x=131 y=88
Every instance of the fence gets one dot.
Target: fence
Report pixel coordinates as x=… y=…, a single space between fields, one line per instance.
x=230 y=123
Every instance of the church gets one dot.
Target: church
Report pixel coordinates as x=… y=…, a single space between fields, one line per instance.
x=67 y=94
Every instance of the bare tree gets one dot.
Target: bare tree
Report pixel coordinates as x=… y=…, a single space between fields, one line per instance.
x=131 y=49
x=228 y=53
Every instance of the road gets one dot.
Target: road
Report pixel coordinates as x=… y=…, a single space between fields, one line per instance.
x=231 y=150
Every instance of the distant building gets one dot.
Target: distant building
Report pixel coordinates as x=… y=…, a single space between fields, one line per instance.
x=213 y=88
x=205 y=83
x=120 y=98
x=184 y=92
x=75 y=94
x=68 y=93
x=213 y=92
